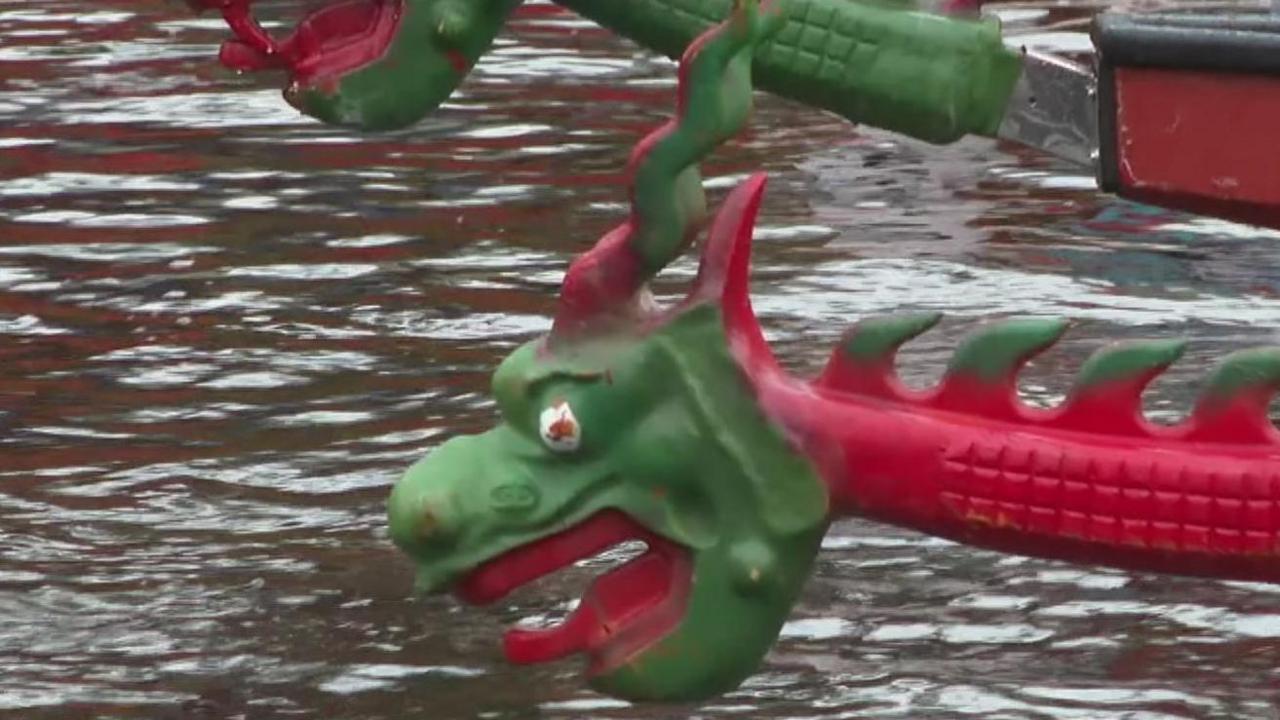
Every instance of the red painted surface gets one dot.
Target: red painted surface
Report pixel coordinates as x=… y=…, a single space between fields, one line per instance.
x=330 y=42
x=964 y=8
x=604 y=283
x=1091 y=481
x=626 y=608
x=1200 y=141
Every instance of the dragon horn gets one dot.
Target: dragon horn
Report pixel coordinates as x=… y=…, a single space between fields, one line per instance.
x=724 y=276
x=606 y=286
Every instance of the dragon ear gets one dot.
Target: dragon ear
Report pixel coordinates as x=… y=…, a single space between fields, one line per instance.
x=724 y=275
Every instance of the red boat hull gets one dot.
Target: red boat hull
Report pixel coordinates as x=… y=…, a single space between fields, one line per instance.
x=1200 y=141
x=1188 y=106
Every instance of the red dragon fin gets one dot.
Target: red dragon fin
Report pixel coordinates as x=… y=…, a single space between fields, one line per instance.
x=982 y=378
x=1233 y=406
x=863 y=364
x=1107 y=396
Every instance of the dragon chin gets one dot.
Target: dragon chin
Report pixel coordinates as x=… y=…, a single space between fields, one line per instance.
x=623 y=612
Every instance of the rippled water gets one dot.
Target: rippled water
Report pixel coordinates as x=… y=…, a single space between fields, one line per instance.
x=227 y=330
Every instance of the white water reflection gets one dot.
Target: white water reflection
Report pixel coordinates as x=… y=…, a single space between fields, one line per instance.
x=839 y=290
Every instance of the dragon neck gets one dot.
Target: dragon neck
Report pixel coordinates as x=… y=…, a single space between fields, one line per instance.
x=768 y=476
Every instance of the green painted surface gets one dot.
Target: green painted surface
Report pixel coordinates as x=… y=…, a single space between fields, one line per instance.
x=1128 y=361
x=715 y=108
x=883 y=64
x=994 y=353
x=670 y=434
x=931 y=77
x=1244 y=371
x=419 y=70
x=878 y=338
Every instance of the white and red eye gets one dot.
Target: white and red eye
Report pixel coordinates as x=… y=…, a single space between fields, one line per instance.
x=559 y=428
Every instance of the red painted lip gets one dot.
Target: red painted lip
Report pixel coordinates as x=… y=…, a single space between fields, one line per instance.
x=624 y=610
x=333 y=41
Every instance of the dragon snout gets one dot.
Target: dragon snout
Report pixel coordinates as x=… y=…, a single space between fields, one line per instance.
x=422 y=522
x=456 y=490
x=428 y=508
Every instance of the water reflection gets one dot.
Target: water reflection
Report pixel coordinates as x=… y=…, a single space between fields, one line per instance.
x=230 y=329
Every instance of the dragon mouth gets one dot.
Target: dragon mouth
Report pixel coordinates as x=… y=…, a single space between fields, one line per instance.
x=330 y=42
x=623 y=612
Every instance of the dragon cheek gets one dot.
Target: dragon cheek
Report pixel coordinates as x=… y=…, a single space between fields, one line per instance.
x=752 y=568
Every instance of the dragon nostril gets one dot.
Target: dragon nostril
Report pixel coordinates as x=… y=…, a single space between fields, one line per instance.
x=514 y=497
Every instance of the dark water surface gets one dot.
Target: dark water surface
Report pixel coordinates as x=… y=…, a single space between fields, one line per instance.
x=227 y=330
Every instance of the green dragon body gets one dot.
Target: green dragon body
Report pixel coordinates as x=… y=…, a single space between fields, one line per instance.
x=927 y=75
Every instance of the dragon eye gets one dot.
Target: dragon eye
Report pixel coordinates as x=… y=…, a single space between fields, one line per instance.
x=559 y=428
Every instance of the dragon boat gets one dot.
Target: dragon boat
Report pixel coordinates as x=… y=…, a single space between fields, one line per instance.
x=675 y=426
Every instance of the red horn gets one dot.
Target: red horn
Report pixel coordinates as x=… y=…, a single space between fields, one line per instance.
x=605 y=288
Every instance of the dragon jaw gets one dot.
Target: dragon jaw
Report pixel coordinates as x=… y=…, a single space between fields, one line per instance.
x=622 y=612
x=371 y=64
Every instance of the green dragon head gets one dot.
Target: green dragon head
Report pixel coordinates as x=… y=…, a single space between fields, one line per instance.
x=631 y=423
x=650 y=435
x=371 y=64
